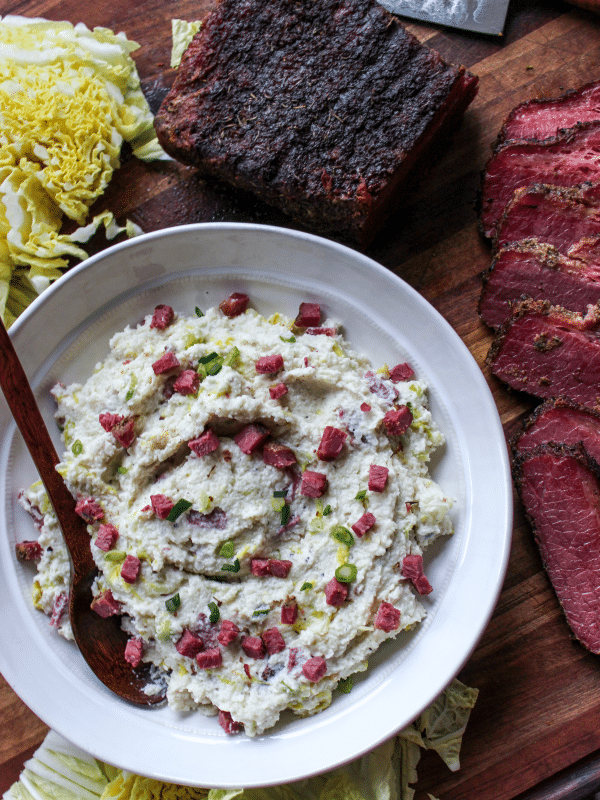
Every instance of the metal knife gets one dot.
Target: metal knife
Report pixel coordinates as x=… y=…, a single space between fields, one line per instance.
x=482 y=16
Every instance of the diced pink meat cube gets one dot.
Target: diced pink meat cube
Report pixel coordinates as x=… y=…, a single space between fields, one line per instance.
x=253 y=646
x=259 y=567
x=227 y=632
x=314 y=669
x=209 y=659
x=401 y=372
x=293 y=658
x=89 y=509
x=278 y=391
x=59 y=607
x=269 y=365
x=335 y=592
x=289 y=612
x=381 y=388
x=412 y=566
x=188 y=382
x=251 y=437
x=107 y=537
x=165 y=363
x=364 y=524
x=205 y=444
x=108 y=421
x=28 y=551
x=130 y=569
x=365 y=407
x=278 y=455
x=387 y=618
x=321 y=331
x=398 y=420
x=331 y=443
x=235 y=304
x=161 y=505
x=124 y=431
x=133 y=652
x=279 y=568
x=377 y=478
x=422 y=585
x=274 y=641
x=313 y=484
x=163 y=316
x=309 y=315
x=105 y=605
x=227 y=722
x=189 y=644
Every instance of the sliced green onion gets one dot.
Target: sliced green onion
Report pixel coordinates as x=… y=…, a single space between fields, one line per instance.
x=208 y=358
x=285 y=514
x=115 y=555
x=77 y=447
x=231 y=357
x=280 y=493
x=215 y=366
x=327 y=511
x=178 y=509
x=235 y=567
x=260 y=612
x=199 y=312
x=291 y=340
x=346 y=573
x=173 y=603
x=122 y=470
x=342 y=535
x=214 y=612
x=132 y=385
x=345 y=685
x=227 y=550
x=362 y=495
x=277 y=504
x=306 y=585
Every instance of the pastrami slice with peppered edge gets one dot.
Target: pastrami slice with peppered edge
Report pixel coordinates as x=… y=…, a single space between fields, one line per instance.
x=560 y=490
x=547 y=351
x=539 y=271
x=561 y=421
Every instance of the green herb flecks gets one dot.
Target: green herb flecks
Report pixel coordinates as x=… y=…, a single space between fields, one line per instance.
x=343 y=535
x=199 y=312
x=235 y=567
x=173 y=603
x=131 y=390
x=345 y=685
x=77 y=447
x=180 y=507
x=227 y=550
x=214 y=612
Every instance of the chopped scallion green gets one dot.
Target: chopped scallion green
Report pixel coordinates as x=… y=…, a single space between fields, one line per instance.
x=235 y=567
x=291 y=340
x=132 y=385
x=77 y=447
x=306 y=585
x=346 y=573
x=214 y=612
x=227 y=550
x=285 y=514
x=345 y=685
x=180 y=507
x=260 y=612
x=327 y=511
x=115 y=556
x=342 y=535
x=199 y=312
x=173 y=603
x=208 y=358
x=122 y=470
x=360 y=496
x=280 y=493
x=231 y=357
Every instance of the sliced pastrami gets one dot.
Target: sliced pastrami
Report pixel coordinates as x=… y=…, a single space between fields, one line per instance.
x=560 y=490
x=228 y=632
x=28 y=550
x=189 y=644
x=209 y=659
x=161 y=505
x=336 y=593
x=381 y=388
x=548 y=351
x=412 y=569
x=556 y=215
x=331 y=444
x=253 y=646
x=276 y=392
x=124 y=432
x=398 y=420
x=377 y=478
x=279 y=568
x=314 y=668
x=235 y=304
x=108 y=421
x=89 y=509
x=188 y=382
x=364 y=524
x=561 y=421
x=269 y=365
x=568 y=159
x=531 y=269
x=228 y=724
x=165 y=363
x=401 y=372
x=274 y=641
x=251 y=437
x=289 y=612
x=130 y=568
x=163 y=316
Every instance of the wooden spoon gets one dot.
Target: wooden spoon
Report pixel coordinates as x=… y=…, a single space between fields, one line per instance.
x=100 y=640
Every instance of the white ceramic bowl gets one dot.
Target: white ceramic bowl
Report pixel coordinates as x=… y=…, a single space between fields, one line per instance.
x=66 y=331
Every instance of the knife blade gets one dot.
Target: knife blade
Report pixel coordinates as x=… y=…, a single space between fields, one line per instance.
x=481 y=16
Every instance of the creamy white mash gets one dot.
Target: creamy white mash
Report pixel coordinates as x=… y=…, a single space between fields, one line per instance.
x=281 y=564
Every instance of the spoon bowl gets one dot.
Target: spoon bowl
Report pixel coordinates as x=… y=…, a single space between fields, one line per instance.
x=101 y=640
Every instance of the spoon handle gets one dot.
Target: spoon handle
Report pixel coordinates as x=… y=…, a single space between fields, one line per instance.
x=24 y=408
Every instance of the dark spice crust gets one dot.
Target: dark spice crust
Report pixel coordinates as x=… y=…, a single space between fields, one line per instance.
x=317 y=106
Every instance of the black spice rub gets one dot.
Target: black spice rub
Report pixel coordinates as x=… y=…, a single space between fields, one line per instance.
x=319 y=107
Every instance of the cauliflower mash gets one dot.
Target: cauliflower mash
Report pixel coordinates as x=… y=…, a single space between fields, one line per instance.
x=258 y=501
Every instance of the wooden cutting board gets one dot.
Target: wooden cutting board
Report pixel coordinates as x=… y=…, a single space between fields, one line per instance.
x=539 y=704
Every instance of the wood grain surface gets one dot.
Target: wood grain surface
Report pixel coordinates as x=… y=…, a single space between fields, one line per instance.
x=538 y=712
